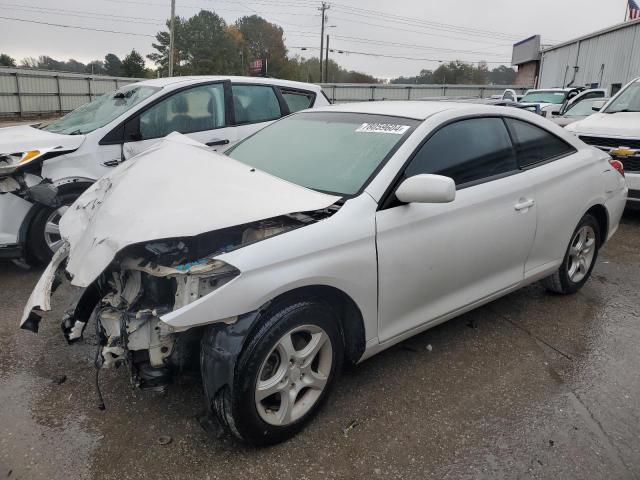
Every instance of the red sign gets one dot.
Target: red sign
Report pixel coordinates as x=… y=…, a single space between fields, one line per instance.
x=258 y=68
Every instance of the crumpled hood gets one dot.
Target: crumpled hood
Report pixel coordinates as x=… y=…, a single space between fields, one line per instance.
x=177 y=188
x=23 y=137
x=622 y=124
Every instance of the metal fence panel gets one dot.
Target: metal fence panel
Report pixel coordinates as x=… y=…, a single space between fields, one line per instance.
x=29 y=92
x=344 y=93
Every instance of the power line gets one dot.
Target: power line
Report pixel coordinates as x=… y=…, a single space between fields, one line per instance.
x=394 y=44
x=416 y=21
x=369 y=54
x=79 y=14
x=76 y=27
x=391 y=27
x=407 y=45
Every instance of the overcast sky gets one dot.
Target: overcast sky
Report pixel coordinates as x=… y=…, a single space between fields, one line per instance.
x=469 y=30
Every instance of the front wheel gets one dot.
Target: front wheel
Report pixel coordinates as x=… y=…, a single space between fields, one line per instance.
x=579 y=259
x=44 y=233
x=283 y=374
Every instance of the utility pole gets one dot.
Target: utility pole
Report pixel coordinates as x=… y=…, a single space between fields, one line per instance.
x=323 y=8
x=172 y=34
x=326 y=62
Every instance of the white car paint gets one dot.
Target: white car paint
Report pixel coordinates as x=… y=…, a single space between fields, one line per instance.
x=99 y=224
x=620 y=128
x=87 y=160
x=495 y=236
x=549 y=109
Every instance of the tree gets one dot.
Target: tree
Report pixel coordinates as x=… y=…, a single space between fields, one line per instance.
x=307 y=70
x=72 y=65
x=112 y=65
x=210 y=48
x=95 y=67
x=29 y=62
x=264 y=40
x=161 y=57
x=480 y=75
x=502 y=76
x=133 y=65
x=6 y=60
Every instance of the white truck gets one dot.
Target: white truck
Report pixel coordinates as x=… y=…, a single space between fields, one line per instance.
x=616 y=130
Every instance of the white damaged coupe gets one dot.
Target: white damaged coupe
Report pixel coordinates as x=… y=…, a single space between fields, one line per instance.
x=324 y=238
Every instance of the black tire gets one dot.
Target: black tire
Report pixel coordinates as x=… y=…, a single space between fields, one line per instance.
x=560 y=282
x=237 y=412
x=38 y=251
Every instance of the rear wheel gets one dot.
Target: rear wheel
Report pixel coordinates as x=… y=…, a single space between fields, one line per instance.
x=284 y=374
x=579 y=259
x=44 y=233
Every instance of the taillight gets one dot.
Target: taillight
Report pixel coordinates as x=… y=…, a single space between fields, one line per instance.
x=617 y=164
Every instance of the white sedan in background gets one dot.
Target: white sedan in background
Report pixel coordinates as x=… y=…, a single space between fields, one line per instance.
x=45 y=167
x=326 y=237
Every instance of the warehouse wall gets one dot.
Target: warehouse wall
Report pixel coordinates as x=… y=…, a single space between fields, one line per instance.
x=25 y=92
x=612 y=57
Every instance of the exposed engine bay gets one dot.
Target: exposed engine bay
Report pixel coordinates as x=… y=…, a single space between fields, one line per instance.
x=146 y=281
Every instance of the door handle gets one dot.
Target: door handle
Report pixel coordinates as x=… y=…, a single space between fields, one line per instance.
x=112 y=163
x=217 y=142
x=524 y=205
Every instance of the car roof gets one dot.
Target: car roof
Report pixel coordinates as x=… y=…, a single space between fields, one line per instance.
x=195 y=79
x=550 y=90
x=418 y=110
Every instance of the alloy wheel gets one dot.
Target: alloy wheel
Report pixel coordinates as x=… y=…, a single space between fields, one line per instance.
x=52 y=235
x=581 y=253
x=294 y=375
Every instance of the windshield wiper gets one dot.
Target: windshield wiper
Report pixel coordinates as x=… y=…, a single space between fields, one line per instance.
x=75 y=132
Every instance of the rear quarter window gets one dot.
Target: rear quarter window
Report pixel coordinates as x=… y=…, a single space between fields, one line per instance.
x=297 y=100
x=536 y=145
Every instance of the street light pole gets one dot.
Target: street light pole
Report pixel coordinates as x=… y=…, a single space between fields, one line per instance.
x=172 y=33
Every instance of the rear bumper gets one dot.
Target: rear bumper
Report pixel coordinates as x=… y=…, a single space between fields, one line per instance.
x=13 y=211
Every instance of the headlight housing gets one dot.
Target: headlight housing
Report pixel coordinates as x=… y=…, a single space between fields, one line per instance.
x=10 y=162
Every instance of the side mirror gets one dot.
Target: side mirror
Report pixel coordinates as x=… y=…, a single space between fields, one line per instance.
x=427 y=188
x=597 y=105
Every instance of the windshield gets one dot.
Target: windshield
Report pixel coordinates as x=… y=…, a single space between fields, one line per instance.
x=627 y=101
x=100 y=111
x=544 y=96
x=582 y=109
x=328 y=151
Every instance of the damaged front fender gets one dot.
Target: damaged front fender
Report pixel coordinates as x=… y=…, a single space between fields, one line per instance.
x=40 y=299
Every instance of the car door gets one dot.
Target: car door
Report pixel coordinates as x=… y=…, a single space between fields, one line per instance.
x=562 y=182
x=199 y=111
x=434 y=259
x=254 y=107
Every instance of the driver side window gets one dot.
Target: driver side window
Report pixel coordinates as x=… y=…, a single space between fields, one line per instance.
x=194 y=110
x=467 y=151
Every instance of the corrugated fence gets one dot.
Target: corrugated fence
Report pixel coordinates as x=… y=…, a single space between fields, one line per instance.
x=25 y=92
x=358 y=92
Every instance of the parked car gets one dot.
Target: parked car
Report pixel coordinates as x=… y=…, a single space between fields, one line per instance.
x=531 y=107
x=510 y=95
x=44 y=168
x=554 y=101
x=578 y=111
x=324 y=238
x=615 y=129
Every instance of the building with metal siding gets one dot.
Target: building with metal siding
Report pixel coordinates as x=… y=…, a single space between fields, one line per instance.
x=608 y=59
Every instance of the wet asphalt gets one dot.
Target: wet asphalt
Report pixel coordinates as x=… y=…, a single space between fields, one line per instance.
x=533 y=385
